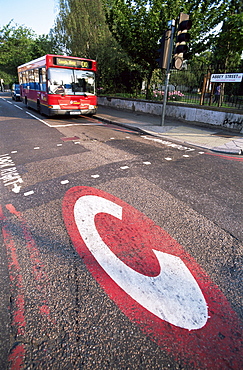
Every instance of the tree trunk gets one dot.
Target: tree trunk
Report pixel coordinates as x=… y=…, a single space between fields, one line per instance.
x=148 y=84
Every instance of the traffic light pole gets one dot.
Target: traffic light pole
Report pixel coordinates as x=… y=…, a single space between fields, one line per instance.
x=167 y=76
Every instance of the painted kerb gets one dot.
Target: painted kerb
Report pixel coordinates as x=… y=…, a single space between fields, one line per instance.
x=225 y=119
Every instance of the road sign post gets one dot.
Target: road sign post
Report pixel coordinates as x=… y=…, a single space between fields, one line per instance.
x=171 y=24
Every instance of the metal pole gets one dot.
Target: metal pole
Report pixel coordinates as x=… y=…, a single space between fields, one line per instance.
x=167 y=78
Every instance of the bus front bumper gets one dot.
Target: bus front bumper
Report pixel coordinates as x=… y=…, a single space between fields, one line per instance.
x=53 y=111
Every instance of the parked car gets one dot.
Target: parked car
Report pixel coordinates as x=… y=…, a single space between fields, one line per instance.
x=15 y=92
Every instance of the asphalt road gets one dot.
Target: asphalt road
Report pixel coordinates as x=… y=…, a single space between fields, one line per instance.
x=64 y=307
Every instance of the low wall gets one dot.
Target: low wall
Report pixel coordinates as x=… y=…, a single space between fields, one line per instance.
x=224 y=118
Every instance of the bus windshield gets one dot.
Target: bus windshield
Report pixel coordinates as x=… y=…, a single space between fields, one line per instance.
x=71 y=81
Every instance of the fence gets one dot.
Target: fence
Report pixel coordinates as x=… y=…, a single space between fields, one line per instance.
x=194 y=87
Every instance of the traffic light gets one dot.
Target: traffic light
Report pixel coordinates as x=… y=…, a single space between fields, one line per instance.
x=164 y=49
x=182 y=38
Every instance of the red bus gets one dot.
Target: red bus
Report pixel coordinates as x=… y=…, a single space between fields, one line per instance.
x=57 y=84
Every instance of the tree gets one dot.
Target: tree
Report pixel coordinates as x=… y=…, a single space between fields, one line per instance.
x=81 y=30
x=80 y=27
x=15 y=45
x=138 y=25
x=18 y=45
x=228 y=45
x=44 y=44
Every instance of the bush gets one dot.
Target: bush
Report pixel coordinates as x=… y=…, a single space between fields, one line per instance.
x=172 y=95
x=175 y=95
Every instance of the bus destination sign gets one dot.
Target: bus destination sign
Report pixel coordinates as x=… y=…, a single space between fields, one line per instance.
x=75 y=63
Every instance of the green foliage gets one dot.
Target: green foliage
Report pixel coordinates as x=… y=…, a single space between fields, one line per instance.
x=228 y=47
x=81 y=30
x=138 y=25
x=19 y=45
x=80 y=27
x=123 y=34
x=115 y=70
x=15 y=45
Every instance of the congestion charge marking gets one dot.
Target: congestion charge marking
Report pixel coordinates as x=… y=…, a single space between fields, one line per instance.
x=153 y=280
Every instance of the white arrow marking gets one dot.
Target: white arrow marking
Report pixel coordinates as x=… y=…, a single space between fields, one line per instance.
x=173 y=295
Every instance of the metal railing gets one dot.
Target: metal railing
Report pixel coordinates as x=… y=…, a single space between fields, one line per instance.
x=189 y=86
x=194 y=87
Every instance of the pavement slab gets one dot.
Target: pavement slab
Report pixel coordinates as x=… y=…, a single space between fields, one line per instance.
x=215 y=139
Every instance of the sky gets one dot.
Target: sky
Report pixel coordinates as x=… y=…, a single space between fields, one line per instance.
x=39 y=15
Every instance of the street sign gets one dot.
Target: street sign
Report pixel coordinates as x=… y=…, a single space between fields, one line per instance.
x=153 y=280
x=226 y=77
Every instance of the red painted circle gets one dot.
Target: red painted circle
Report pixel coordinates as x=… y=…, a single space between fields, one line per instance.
x=217 y=345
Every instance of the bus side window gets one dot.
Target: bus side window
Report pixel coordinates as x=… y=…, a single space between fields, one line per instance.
x=42 y=78
x=20 y=77
x=36 y=79
x=27 y=77
x=31 y=79
x=23 y=79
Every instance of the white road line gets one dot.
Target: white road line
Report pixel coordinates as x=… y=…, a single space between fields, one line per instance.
x=124 y=167
x=29 y=193
x=14 y=151
x=41 y=120
x=169 y=143
x=63 y=182
x=18 y=107
x=77 y=124
x=37 y=147
x=9 y=102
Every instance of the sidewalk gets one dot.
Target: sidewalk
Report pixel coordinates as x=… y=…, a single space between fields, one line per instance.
x=176 y=130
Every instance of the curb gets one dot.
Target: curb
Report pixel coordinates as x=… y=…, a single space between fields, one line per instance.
x=138 y=129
